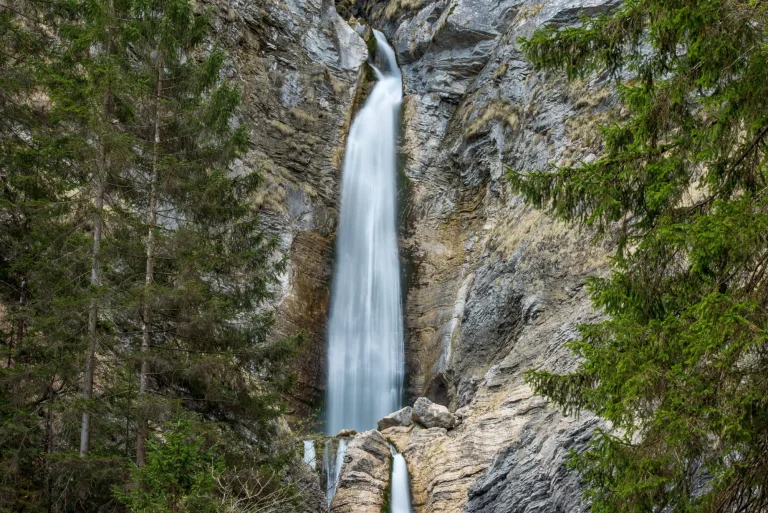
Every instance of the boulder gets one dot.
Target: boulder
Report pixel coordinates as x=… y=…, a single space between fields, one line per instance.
x=431 y=415
x=346 y=433
x=364 y=476
x=401 y=417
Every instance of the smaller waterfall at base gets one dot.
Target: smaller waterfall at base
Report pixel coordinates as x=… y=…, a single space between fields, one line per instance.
x=332 y=466
x=310 y=456
x=400 y=501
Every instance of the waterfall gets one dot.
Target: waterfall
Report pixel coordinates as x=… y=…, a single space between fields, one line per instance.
x=310 y=457
x=400 y=500
x=365 y=331
x=332 y=467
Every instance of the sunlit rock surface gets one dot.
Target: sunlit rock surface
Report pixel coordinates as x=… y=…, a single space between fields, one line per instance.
x=364 y=478
x=431 y=415
x=402 y=417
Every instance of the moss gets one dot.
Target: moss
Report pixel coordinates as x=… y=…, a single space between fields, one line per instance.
x=529 y=12
x=498 y=111
x=395 y=7
x=344 y=8
x=284 y=129
x=373 y=45
x=501 y=71
x=302 y=115
x=388 y=490
x=444 y=21
x=338 y=86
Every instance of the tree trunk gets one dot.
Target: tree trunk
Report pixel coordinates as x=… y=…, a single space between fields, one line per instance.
x=85 y=430
x=93 y=312
x=141 y=442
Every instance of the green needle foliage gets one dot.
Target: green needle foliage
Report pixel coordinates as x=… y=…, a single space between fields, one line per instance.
x=134 y=272
x=179 y=475
x=206 y=262
x=680 y=368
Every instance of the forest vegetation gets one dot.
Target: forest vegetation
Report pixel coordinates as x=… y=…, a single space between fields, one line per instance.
x=137 y=372
x=679 y=367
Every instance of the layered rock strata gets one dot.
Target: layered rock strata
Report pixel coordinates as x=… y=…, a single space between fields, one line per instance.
x=299 y=64
x=496 y=286
x=365 y=474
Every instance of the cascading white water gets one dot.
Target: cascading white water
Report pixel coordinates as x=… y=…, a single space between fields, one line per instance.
x=400 y=500
x=332 y=468
x=310 y=456
x=365 y=339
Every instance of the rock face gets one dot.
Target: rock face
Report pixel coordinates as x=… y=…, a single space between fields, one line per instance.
x=299 y=64
x=431 y=415
x=496 y=287
x=313 y=499
x=401 y=417
x=364 y=477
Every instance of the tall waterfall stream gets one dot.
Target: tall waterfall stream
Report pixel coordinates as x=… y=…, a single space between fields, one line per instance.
x=366 y=360
x=365 y=330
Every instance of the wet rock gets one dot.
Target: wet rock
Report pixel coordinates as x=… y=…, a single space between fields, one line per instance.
x=401 y=417
x=431 y=415
x=364 y=475
x=346 y=433
x=400 y=435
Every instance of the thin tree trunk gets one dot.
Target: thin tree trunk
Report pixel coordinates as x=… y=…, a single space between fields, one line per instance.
x=85 y=430
x=93 y=309
x=49 y=450
x=141 y=442
x=20 y=320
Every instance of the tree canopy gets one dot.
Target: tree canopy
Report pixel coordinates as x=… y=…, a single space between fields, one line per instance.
x=680 y=367
x=134 y=271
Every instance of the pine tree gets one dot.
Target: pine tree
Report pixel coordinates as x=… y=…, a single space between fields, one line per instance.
x=129 y=252
x=207 y=263
x=679 y=368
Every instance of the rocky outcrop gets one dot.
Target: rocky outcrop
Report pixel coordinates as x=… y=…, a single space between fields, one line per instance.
x=312 y=499
x=431 y=415
x=299 y=64
x=364 y=477
x=496 y=286
x=401 y=417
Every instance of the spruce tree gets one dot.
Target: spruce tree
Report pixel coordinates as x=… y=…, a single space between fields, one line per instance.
x=207 y=266
x=130 y=252
x=679 y=368
x=34 y=225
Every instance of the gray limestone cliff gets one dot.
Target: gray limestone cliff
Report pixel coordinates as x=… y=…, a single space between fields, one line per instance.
x=494 y=286
x=299 y=64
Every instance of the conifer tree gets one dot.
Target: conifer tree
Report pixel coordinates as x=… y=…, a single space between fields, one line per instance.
x=206 y=262
x=126 y=240
x=87 y=85
x=679 y=368
x=33 y=226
